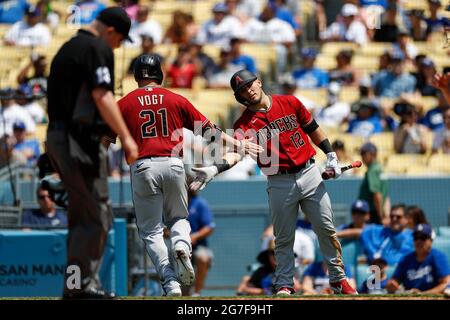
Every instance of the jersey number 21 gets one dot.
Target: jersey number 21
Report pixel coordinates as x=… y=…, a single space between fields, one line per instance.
x=148 y=128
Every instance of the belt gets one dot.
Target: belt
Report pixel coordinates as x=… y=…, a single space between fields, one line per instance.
x=297 y=169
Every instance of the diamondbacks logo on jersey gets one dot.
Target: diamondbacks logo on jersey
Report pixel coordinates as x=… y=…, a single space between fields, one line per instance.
x=276 y=127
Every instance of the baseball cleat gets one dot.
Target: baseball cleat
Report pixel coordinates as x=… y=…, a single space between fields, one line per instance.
x=342 y=287
x=284 y=291
x=172 y=289
x=184 y=267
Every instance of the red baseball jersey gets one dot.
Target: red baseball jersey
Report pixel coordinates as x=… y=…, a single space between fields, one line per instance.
x=156 y=116
x=279 y=131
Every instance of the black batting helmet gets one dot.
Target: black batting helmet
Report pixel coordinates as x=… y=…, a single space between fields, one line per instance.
x=238 y=81
x=148 y=66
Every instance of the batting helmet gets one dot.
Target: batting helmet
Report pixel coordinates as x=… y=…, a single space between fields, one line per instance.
x=148 y=66
x=238 y=81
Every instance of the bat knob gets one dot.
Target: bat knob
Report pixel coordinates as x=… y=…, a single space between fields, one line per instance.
x=328 y=174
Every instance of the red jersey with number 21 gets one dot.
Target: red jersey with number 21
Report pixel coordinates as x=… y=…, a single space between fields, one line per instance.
x=279 y=131
x=156 y=116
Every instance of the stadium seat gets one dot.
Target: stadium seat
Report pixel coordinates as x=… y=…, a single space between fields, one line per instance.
x=399 y=163
x=440 y=162
x=318 y=96
x=375 y=49
x=384 y=141
x=421 y=170
x=332 y=48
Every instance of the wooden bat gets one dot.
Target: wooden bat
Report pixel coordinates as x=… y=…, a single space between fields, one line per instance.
x=328 y=174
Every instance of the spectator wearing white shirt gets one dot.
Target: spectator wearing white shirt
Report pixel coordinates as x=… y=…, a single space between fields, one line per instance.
x=244 y=8
x=26 y=99
x=144 y=26
x=335 y=112
x=348 y=28
x=441 y=139
x=11 y=112
x=29 y=32
x=221 y=28
x=404 y=46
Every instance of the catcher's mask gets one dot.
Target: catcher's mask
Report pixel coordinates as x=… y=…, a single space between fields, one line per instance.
x=238 y=81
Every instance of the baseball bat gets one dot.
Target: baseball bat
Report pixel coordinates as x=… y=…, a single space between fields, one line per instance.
x=328 y=174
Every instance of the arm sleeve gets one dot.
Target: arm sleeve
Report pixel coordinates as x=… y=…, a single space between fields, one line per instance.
x=100 y=68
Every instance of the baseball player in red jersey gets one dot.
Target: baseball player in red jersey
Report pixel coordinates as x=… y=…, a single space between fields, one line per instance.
x=155 y=117
x=281 y=124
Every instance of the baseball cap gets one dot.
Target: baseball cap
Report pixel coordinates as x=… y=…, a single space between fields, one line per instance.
x=308 y=53
x=361 y=206
x=117 y=18
x=423 y=230
x=32 y=11
x=368 y=147
x=220 y=7
x=427 y=62
x=349 y=9
x=19 y=125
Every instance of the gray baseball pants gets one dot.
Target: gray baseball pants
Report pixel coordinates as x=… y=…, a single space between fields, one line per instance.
x=286 y=192
x=160 y=199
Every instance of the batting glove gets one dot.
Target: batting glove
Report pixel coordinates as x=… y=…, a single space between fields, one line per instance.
x=204 y=176
x=333 y=164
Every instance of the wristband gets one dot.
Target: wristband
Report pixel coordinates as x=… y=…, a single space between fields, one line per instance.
x=223 y=166
x=325 y=146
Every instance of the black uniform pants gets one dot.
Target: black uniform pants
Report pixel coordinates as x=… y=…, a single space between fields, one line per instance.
x=89 y=212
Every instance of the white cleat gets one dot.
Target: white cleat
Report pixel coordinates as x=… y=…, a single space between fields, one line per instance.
x=184 y=267
x=172 y=289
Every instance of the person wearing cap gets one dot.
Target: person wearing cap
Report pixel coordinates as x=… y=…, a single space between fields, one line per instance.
x=393 y=82
x=360 y=217
x=82 y=111
x=11 y=112
x=348 y=28
x=221 y=29
x=29 y=148
x=86 y=11
x=410 y=136
x=423 y=271
x=30 y=32
x=367 y=120
x=144 y=26
x=373 y=188
x=309 y=76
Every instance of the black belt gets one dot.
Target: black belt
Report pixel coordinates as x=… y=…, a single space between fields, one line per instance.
x=298 y=168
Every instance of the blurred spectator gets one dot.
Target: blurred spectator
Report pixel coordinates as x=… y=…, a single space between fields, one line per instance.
x=183 y=70
x=204 y=61
x=10 y=113
x=435 y=21
x=434 y=118
x=327 y=13
x=384 y=61
x=49 y=16
x=38 y=81
x=180 y=31
x=26 y=99
x=310 y=77
x=371 y=288
x=29 y=148
x=147 y=47
x=223 y=72
x=335 y=112
x=423 y=271
x=47 y=215
x=388 y=30
x=373 y=188
x=289 y=87
x=144 y=26
x=202 y=226
x=87 y=10
x=12 y=11
x=418 y=27
x=441 y=139
x=131 y=7
x=425 y=77
x=344 y=73
x=316 y=279
x=283 y=13
x=404 y=46
x=29 y=32
x=393 y=82
x=367 y=120
x=415 y=216
x=410 y=135
x=239 y=59
x=221 y=28
x=244 y=8
x=360 y=218
x=390 y=242
x=348 y=29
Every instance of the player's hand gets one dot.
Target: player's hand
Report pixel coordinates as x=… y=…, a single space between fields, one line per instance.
x=333 y=165
x=204 y=176
x=248 y=147
x=441 y=81
x=131 y=149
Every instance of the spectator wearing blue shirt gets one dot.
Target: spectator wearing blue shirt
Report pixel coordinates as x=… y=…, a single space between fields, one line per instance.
x=367 y=121
x=424 y=270
x=283 y=13
x=310 y=77
x=391 y=242
x=202 y=226
x=435 y=22
x=316 y=279
x=239 y=59
x=29 y=148
x=12 y=11
x=381 y=3
x=360 y=218
x=87 y=11
x=47 y=215
x=376 y=286
x=395 y=81
x=434 y=118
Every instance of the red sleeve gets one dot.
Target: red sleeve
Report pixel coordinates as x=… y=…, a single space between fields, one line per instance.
x=303 y=114
x=193 y=119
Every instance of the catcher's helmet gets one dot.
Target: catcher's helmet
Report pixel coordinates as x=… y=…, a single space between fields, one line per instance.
x=238 y=81
x=148 y=66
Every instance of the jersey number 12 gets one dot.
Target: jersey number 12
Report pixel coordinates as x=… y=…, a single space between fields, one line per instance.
x=148 y=128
